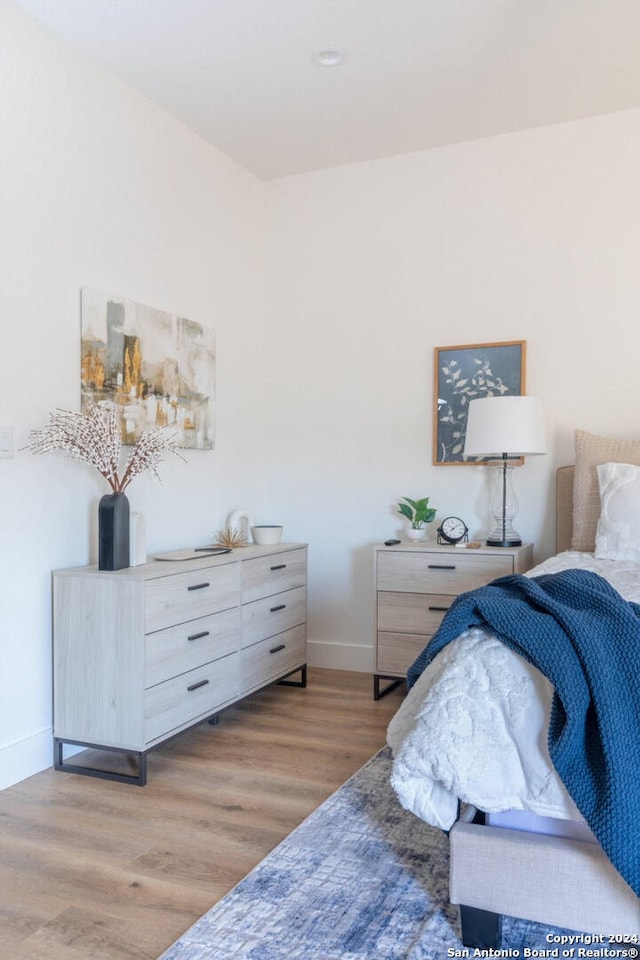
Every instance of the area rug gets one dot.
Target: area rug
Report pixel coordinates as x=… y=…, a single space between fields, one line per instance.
x=359 y=879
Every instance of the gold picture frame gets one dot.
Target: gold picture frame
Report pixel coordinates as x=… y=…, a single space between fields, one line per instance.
x=464 y=373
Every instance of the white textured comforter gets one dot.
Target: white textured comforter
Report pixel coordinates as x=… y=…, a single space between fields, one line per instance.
x=474 y=726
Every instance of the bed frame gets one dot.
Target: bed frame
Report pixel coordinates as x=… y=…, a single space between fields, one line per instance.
x=550 y=880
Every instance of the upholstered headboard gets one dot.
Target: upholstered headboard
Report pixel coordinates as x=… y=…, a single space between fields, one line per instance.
x=564 y=508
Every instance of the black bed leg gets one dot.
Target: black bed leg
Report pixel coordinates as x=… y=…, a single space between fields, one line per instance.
x=480 y=928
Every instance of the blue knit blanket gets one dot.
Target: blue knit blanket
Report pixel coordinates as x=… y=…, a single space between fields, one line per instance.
x=581 y=634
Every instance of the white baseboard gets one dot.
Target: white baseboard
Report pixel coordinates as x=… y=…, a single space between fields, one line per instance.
x=340 y=656
x=25 y=757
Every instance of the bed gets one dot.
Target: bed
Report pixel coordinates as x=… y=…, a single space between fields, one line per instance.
x=519 y=846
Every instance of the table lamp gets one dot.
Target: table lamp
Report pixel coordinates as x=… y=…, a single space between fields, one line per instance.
x=506 y=428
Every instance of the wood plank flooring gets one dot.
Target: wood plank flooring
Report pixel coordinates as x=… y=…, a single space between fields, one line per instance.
x=98 y=870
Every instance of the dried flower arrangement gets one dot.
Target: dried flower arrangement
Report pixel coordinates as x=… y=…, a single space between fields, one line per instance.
x=94 y=437
x=231 y=537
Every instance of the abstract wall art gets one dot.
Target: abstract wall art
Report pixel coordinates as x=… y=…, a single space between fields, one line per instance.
x=158 y=367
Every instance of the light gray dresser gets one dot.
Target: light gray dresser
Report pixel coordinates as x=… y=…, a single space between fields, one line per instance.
x=415 y=586
x=142 y=654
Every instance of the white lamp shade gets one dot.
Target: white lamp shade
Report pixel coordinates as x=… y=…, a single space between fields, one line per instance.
x=499 y=425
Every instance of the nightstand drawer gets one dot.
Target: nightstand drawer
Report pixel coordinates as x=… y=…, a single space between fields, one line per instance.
x=412 y=612
x=266 y=576
x=442 y=573
x=397 y=651
x=186 y=596
x=189 y=645
x=264 y=618
x=180 y=701
x=272 y=658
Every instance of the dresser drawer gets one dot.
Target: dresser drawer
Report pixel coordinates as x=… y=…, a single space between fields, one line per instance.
x=186 y=596
x=412 y=612
x=265 y=576
x=397 y=651
x=440 y=574
x=178 y=649
x=265 y=618
x=273 y=658
x=184 y=699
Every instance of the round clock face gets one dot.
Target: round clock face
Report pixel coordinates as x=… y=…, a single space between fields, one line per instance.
x=453 y=529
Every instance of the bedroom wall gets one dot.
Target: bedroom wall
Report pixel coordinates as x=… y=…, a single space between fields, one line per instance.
x=531 y=236
x=102 y=189
x=328 y=293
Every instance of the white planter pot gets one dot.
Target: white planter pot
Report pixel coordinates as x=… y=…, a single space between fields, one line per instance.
x=416 y=534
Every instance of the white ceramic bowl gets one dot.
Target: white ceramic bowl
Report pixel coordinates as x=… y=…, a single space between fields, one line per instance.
x=266 y=534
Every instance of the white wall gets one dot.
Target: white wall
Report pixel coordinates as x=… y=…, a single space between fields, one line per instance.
x=328 y=293
x=533 y=236
x=102 y=189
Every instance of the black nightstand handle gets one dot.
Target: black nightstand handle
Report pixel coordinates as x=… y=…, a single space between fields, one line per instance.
x=442 y=566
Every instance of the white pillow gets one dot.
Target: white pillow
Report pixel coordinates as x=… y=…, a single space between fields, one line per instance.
x=590 y=451
x=618 y=531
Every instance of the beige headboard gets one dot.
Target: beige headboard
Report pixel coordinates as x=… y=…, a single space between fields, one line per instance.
x=564 y=508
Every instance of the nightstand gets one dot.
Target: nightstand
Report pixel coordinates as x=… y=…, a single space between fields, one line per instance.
x=415 y=586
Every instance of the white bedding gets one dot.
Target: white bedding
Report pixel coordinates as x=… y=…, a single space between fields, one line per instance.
x=474 y=726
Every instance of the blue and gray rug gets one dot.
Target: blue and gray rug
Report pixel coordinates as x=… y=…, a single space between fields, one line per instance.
x=360 y=879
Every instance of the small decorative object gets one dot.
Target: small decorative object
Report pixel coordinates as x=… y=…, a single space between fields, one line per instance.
x=463 y=374
x=231 y=537
x=241 y=520
x=453 y=530
x=418 y=513
x=266 y=534
x=504 y=429
x=137 y=542
x=94 y=437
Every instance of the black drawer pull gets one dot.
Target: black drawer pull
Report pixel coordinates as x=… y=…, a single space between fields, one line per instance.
x=198 y=586
x=279 y=566
x=196 y=686
x=198 y=636
x=281 y=606
x=442 y=566
x=281 y=646
x=439 y=609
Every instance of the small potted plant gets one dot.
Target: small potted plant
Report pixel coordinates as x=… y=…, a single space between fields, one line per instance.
x=418 y=513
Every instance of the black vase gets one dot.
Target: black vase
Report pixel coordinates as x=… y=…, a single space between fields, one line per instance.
x=113 y=532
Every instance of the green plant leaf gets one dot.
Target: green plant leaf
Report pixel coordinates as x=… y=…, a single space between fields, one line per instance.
x=405 y=510
x=417 y=512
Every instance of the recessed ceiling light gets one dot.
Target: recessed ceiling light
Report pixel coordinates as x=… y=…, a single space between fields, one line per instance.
x=329 y=57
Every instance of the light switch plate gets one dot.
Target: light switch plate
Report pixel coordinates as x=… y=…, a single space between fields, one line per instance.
x=6 y=441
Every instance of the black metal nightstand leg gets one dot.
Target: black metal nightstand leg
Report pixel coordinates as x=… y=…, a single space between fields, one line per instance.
x=377 y=692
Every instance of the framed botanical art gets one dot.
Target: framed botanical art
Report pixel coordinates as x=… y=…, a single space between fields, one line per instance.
x=465 y=373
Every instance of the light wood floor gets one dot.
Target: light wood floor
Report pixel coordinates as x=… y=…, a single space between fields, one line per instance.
x=97 y=870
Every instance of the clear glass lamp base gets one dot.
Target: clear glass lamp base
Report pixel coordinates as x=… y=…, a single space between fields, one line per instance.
x=504 y=538
x=504 y=507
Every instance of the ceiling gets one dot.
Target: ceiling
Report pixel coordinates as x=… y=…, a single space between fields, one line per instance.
x=417 y=74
